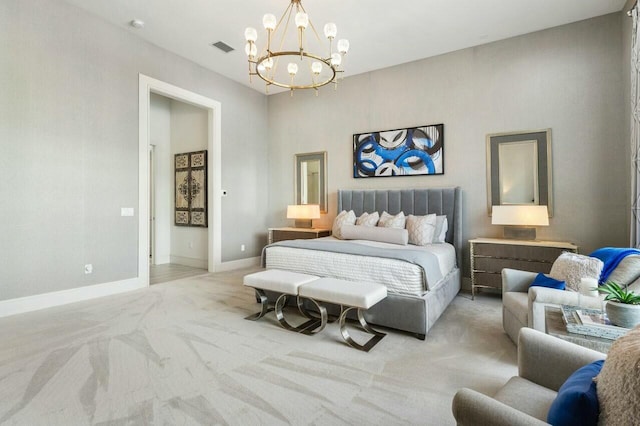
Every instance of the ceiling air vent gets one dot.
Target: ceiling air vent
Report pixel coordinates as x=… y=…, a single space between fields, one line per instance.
x=222 y=46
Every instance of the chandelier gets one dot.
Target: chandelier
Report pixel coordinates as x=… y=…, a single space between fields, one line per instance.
x=300 y=69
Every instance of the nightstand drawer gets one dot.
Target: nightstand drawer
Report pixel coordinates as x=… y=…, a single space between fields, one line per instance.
x=490 y=264
x=522 y=252
x=489 y=279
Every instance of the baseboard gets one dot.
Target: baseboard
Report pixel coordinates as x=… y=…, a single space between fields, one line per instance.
x=189 y=261
x=57 y=298
x=161 y=260
x=238 y=264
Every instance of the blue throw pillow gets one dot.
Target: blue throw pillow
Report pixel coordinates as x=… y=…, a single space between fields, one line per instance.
x=577 y=401
x=542 y=280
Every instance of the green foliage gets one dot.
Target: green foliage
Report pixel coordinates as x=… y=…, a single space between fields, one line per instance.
x=617 y=294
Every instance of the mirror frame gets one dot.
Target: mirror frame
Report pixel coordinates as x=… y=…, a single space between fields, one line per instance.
x=545 y=166
x=310 y=156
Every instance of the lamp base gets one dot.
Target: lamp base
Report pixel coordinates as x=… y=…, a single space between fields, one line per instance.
x=519 y=232
x=303 y=223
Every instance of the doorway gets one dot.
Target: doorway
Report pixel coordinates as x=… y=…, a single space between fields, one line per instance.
x=148 y=215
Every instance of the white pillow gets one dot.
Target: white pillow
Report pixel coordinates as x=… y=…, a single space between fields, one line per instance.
x=572 y=267
x=442 y=226
x=421 y=229
x=627 y=271
x=343 y=218
x=389 y=221
x=368 y=219
x=375 y=233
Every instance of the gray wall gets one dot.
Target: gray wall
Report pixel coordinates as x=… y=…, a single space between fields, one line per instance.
x=566 y=78
x=69 y=147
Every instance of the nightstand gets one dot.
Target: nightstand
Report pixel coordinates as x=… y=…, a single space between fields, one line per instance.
x=281 y=234
x=490 y=255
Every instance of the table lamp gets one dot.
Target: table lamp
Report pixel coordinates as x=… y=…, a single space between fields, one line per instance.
x=520 y=220
x=303 y=214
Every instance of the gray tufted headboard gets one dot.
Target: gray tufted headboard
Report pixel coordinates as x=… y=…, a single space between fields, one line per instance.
x=441 y=201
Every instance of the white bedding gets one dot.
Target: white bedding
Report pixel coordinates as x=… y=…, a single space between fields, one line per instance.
x=400 y=277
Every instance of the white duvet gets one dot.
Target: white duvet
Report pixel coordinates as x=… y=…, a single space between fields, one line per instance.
x=400 y=277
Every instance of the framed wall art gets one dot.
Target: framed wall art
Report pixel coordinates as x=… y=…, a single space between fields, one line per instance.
x=413 y=151
x=191 y=189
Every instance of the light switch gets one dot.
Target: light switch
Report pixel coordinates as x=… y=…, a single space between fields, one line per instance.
x=126 y=211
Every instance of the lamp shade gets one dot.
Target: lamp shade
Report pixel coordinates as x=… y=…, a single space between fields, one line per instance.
x=520 y=215
x=306 y=211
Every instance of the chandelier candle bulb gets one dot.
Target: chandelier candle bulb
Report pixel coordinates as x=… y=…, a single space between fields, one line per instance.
x=343 y=46
x=302 y=20
x=292 y=68
x=330 y=30
x=316 y=67
x=269 y=22
x=250 y=34
x=336 y=59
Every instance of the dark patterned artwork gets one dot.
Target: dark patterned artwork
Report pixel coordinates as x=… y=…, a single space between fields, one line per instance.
x=191 y=189
x=404 y=152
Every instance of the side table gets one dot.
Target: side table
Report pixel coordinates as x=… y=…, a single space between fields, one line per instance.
x=555 y=326
x=282 y=234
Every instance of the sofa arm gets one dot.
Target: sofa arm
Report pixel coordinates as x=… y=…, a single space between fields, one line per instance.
x=549 y=361
x=516 y=280
x=539 y=297
x=473 y=408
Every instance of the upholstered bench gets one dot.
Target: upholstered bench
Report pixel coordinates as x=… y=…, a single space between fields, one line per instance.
x=349 y=295
x=285 y=283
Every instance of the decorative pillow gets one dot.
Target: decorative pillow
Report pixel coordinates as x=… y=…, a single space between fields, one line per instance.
x=619 y=382
x=542 y=280
x=627 y=271
x=572 y=267
x=442 y=226
x=421 y=229
x=368 y=219
x=375 y=233
x=577 y=401
x=343 y=218
x=389 y=221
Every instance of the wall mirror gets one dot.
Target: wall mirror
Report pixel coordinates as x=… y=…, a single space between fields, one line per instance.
x=519 y=169
x=311 y=179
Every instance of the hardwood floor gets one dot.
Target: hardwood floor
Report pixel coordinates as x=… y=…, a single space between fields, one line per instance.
x=171 y=272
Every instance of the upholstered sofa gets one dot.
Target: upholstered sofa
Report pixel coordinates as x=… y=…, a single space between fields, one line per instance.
x=544 y=364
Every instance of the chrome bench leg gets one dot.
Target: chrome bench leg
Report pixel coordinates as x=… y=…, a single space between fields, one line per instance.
x=264 y=303
x=311 y=324
x=377 y=336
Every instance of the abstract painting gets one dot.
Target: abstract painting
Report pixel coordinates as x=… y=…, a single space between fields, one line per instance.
x=191 y=189
x=404 y=152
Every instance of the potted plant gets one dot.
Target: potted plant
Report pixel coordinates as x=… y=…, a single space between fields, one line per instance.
x=623 y=306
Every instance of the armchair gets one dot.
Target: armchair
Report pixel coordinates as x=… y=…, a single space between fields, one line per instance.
x=523 y=306
x=544 y=364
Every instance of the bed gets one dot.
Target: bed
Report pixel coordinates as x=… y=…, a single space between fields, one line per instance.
x=418 y=292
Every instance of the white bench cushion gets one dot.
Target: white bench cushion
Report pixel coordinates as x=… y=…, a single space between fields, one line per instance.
x=348 y=293
x=286 y=282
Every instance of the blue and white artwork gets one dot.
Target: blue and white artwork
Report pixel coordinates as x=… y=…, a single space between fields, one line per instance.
x=405 y=152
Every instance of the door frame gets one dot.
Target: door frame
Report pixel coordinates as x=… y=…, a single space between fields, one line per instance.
x=148 y=85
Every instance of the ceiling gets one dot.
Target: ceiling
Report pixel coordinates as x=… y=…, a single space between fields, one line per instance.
x=382 y=33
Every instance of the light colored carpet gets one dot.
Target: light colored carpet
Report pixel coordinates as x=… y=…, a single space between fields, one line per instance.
x=171 y=272
x=181 y=353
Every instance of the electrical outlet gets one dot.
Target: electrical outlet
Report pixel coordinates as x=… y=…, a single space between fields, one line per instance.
x=190 y=244
x=242 y=247
x=88 y=268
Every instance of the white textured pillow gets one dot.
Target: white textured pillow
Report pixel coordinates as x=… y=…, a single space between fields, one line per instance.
x=627 y=271
x=572 y=267
x=375 y=233
x=421 y=229
x=442 y=226
x=389 y=221
x=343 y=218
x=618 y=384
x=368 y=219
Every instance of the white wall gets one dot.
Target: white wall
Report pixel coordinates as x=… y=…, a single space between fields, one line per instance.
x=189 y=131
x=69 y=147
x=160 y=137
x=566 y=78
